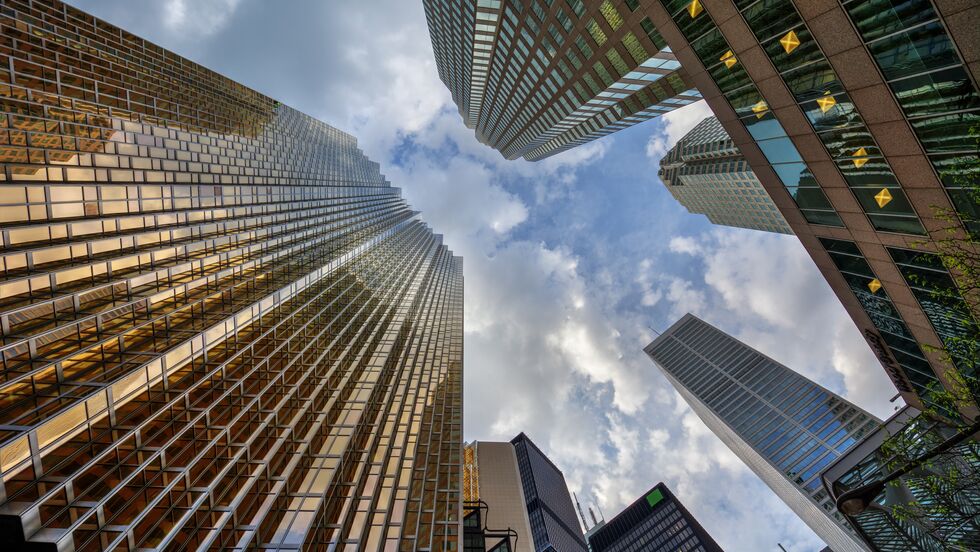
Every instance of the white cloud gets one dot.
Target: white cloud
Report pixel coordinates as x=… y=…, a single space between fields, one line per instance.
x=203 y=18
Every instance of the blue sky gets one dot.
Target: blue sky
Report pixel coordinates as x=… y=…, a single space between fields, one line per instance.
x=568 y=261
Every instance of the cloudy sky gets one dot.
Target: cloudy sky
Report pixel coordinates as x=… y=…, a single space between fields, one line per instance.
x=568 y=262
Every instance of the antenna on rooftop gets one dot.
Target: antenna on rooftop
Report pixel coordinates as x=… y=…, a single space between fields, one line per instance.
x=596 y=500
x=585 y=524
x=653 y=330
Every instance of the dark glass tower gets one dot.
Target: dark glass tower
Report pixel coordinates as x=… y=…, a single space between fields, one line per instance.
x=656 y=522
x=786 y=428
x=860 y=118
x=554 y=524
x=222 y=327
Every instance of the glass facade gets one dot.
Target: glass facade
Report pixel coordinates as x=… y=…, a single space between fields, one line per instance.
x=541 y=76
x=656 y=522
x=786 y=428
x=753 y=111
x=929 y=80
x=935 y=508
x=937 y=294
x=885 y=114
x=707 y=174
x=222 y=327
x=892 y=330
x=554 y=525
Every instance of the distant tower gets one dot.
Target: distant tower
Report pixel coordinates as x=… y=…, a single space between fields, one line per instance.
x=786 y=428
x=656 y=522
x=549 y=504
x=706 y=173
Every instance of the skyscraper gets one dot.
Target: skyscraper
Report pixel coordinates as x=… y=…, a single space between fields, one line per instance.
x=537 y=77
x=655 y=522
x=222 y=327
x=707 y=174
x=554 y=524
x=491 y=477
x=786 y=428
x=860 y=120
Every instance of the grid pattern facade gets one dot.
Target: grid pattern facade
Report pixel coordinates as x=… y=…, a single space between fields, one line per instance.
x=541 y=76
x=786 y=428
x=707 y=174
x=876 y=103
x=554 y=525
x=656 y=522
x=222 y=327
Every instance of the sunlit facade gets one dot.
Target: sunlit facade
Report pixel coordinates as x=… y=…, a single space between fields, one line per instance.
x=786 y=428
x=860 y=118
x=536 y=77
x=707 y=174
x=222 y=327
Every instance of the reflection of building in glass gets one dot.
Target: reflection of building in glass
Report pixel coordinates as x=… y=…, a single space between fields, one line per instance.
x=875 y=104
x=554 y=524
x=656 y=522
x=935 y=507
x=537 y=78
x=707 y=174
x=786 y=428
x=222 y=327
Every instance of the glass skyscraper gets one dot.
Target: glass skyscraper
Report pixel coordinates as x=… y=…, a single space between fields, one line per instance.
x=554 y=525
x=655 y=522
x=537 y=77
x=707 y=174
x=860 y=119
x=222 y=327
x=785 y=428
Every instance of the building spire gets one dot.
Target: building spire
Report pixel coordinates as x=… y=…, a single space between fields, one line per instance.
x=585 y=524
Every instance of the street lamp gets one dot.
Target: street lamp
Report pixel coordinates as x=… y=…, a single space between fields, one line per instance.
x=856 y=501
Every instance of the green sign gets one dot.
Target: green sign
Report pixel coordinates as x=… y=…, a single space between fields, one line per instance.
x=655 y=497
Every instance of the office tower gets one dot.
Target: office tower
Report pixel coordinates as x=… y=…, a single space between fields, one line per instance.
x=655 y=522
x=860 y=119
x=786 y=428
x=222 y=327
x=493 y=492
x=935 y=507
x=554 y=525
x=707 y=174
x=537 y=77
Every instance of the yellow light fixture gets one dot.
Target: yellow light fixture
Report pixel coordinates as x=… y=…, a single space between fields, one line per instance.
x=861 y=153
x=760 y=109
x=826 y=103
x=729 y=59
x=883 y=197
x=874 y=285
x=790 y=42
x=695 y=8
